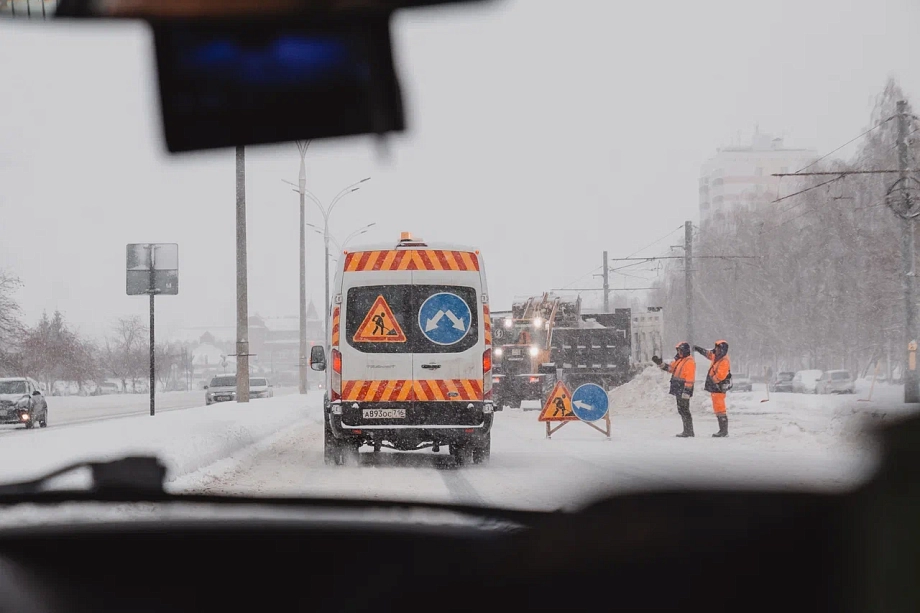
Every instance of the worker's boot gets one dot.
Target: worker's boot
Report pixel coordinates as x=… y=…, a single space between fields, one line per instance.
x=723 y=426
x=688 y=425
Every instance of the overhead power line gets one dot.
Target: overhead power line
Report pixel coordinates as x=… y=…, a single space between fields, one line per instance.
x=878 y=125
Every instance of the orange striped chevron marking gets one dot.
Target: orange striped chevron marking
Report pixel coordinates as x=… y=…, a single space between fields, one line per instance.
x=411 y=259
x=335 y=326
x=403 y=390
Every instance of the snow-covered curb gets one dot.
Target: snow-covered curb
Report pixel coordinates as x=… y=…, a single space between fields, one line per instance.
x=199 y=480
x=186 y=440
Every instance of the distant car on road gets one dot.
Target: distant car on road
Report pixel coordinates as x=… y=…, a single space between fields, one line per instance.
x=742 y=383
x=782 y=382
x=22 y=402
x=806 y=381
x=222 y=388
x=836 y=382
x=259 y=387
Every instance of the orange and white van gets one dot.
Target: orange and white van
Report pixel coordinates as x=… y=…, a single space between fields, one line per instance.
x=409 y=352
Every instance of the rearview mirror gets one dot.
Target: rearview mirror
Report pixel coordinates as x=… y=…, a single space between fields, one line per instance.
x=205 y=387
x=317 y=358
x=231 y=83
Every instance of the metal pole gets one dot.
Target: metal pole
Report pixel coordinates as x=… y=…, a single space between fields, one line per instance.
x=242 y=307
x=606 y=286
x=303 y=278
x=688 y=277
x=153 y=369
x=911 y=390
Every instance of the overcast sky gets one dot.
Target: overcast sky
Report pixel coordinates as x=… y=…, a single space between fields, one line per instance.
x=541 y=131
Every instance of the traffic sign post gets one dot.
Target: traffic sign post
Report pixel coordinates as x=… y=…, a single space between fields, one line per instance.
x=152 y=268
x=588 y=403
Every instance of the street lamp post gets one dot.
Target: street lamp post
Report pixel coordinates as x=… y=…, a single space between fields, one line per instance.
x=326 y=212
x=301 y=189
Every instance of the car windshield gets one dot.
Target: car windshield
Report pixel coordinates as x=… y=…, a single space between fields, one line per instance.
x=12 y=387
x=614 y=179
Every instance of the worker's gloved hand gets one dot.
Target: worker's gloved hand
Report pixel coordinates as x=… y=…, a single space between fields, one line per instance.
x=656 y=360
x=685 y=395
x=699 y=349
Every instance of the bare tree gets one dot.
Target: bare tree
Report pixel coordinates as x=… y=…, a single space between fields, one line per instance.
x=11 y=327
x=125 y=351
x=824 y=291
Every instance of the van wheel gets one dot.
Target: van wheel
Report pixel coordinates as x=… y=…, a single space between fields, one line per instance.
x=482 y=449
x=332 y=450
x=463 y=453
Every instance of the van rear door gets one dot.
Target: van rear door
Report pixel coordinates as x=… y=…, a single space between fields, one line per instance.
x=448 y=341
x=377 y=353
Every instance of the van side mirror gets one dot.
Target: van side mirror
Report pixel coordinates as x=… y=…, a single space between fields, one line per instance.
x=318 y=357
x=205 y=387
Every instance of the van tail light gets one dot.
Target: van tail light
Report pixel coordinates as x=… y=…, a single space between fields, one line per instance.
x=487 y=374
x=336 y=378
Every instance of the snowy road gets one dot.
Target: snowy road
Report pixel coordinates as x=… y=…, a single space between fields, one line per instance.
x=69 y=410
x=792 y=441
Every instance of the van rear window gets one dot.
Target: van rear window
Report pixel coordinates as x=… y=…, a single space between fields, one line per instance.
x=411 y=318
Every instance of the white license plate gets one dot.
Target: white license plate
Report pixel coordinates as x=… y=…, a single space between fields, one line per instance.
x=384 y=413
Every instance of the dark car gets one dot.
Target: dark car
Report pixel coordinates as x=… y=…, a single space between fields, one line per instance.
x=782 y=382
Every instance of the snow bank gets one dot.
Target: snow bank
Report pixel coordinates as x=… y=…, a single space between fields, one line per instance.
x=185 y=440
x=647 y=395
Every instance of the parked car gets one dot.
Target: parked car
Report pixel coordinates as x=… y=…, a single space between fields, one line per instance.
x=836 y=382
x=782 y=382
x=742 y=383
x=222 y=388
x=259 y=387
x=106 y=387
x=806 y=381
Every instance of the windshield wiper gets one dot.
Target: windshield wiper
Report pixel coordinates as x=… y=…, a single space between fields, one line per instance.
x=132 y=475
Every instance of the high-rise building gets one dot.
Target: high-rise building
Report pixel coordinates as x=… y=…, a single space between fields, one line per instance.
x=741 y=176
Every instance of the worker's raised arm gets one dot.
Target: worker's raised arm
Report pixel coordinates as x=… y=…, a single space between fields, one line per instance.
x=705 y=352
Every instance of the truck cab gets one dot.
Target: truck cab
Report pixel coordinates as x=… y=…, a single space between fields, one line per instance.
x=409 y=352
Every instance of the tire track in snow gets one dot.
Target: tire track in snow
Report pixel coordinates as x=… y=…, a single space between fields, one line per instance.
x=460 y=487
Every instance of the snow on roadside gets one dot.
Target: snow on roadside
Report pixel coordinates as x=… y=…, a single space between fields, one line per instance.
x=811 y=420
x=186 y=440
x=646 y=395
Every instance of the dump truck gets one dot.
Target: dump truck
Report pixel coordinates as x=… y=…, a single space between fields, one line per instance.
x=547 y=338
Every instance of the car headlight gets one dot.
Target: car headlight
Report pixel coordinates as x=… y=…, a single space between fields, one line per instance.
x=534 y=351
x=537 y=322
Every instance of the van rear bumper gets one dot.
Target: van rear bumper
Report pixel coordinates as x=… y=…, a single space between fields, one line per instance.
x=434 y=420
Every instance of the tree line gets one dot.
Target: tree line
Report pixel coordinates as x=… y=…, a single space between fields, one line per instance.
x=51 y=352
x=823 y=289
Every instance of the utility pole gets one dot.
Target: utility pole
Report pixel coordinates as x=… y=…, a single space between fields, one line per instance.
x=606 y=285
x=153 y=355
x=688 y=277
x=302 y=185
x=242 y=298
x=911 y=390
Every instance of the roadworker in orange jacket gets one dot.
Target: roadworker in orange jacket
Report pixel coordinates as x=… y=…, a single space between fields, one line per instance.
x=718 y=382
x=683 y=371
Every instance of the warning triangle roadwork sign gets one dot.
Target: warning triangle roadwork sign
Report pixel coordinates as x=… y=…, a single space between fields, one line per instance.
x=379 y=325
x=558 y=406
